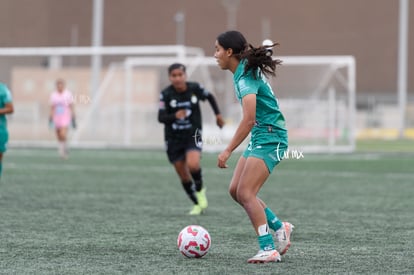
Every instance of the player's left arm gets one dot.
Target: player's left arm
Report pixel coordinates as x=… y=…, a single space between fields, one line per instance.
x=7 y=109
x=72 y=111
x=7 y=99
x=213 y=103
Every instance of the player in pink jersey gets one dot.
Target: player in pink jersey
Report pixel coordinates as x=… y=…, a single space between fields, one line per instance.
x=62 y=114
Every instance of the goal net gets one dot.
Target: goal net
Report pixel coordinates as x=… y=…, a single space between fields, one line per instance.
x=316 y=95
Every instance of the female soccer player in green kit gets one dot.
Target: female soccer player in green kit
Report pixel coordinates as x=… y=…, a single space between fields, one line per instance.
x=263 y=119
x=6 y=107
x=180 y=112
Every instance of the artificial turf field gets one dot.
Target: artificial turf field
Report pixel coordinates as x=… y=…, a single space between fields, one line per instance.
x=119 y=212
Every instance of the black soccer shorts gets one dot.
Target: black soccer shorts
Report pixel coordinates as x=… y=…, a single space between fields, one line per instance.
x=176 y=150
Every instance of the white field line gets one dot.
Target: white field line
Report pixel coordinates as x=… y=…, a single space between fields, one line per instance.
x=76 y=167
x=139 y=154
x=207 y=170
x=91 y=155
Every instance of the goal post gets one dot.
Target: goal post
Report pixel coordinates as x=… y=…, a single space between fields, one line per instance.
x=323 y=88
x=31 y=74
x=316 y=94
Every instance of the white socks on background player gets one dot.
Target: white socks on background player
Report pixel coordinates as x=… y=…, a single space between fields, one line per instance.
x=62 y=149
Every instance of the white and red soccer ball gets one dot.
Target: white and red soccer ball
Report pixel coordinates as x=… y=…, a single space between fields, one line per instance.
x=194 y=241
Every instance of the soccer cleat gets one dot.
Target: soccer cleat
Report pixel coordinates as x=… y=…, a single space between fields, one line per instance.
x=197 y=210
x=265 y=257
x=202 y=199
x=283 y=237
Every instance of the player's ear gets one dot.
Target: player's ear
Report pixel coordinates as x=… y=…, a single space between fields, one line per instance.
x=229 y=52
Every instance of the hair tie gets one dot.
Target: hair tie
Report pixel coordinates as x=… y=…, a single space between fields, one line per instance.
x=269 y=52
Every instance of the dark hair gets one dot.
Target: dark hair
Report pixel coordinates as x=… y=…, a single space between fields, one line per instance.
x=174 y=66
x=259 y=58
x=233 y=40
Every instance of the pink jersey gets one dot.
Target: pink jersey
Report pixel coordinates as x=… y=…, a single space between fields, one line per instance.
x=61 y=102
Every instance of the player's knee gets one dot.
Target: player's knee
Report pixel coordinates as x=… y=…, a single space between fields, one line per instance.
x=185 y=178
x=243 y=197
x=233 y=192
x=193 y=167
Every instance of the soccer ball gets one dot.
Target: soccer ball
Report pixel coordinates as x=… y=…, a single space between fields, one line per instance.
x=194 y=241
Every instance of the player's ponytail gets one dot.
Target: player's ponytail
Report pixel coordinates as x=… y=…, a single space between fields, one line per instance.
x=260 y=58
x=257 y=58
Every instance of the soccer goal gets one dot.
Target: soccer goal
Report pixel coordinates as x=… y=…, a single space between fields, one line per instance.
x=316 y=95
x=31 y=74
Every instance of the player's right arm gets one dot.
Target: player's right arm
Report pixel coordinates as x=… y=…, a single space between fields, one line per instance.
x=164 y=116
x=52 y=109
x=242 y=131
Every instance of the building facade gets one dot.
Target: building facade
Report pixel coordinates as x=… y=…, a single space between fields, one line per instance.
x=366 y=29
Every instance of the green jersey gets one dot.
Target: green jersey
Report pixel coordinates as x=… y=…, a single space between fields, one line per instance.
x=269 y=118
x=5 y=97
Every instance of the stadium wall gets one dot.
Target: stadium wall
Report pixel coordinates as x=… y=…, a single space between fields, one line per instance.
x=366 y=29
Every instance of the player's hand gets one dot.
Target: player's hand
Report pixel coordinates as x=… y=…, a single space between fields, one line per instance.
x=73 y=123
x=181 y=114
x=50 y=122
x=220 y=121
x=222 y=159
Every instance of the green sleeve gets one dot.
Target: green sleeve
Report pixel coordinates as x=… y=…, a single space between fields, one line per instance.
x=248 y=85
x=5 y=94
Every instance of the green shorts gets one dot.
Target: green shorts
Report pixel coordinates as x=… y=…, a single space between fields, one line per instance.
x=4 y=138
x=270 y=152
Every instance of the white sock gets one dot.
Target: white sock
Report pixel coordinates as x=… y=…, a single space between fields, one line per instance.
x=62 y=148
x=263 y=230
